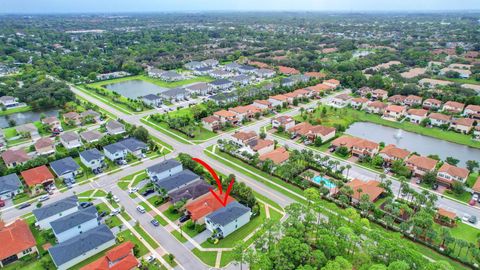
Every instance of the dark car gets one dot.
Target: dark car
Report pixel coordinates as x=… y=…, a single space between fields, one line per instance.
x=472 y=219
x=25 y=205
x=103 y=213
x=148 y=192
x=155 y=222
x=184 y=218
x=435 y=186
x=86 y=204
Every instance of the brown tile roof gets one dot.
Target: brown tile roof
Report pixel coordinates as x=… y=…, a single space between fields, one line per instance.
x=371 y=188
x=397 y=98
x=263 y=102
x=468 y=122
x=258 y=64
x=432 y=101
x=395 y=108
x=440 y=116
x=279 y=97
x=37 y=176
x=454 y=104
x=244 y=136
x=317 y=75
x=359 y=100
x=476 y=186
x=283 y=119
x=332 y=81
x=422 y=162
x=445 y=213
x=278 y=156
x=473 y=107
x=15 y=238
x=210 y=119
x=417 y=112
x=205 y=205
x=346 y=141
x=224 y=113
x=393 y=151
x=454 y=171
x=365 y=144
x=11 y=156
x=320 y=87
x=288 y=70
x=262 y=144
x=377 y=104
x=43 y=142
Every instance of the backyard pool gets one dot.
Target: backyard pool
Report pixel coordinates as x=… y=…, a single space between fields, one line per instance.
x=326 y=182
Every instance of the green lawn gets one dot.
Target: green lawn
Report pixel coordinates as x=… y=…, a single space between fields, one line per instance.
x=15 y=110
x=172 y=216
x=200 y=133
x=127 y=235
x=160 y=220
x=172 y=263
x=472 y=178
x=87 y=193
x=108 y=100
x=146 y=236
x=179 y=236
x=227 y=257
x=208 y=257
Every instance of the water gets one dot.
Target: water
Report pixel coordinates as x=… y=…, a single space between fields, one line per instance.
x=135 y=88
x=414 y=142
x=26 y=117
x=326 y=183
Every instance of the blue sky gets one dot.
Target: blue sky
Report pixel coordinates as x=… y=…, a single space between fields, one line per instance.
x=80 y=6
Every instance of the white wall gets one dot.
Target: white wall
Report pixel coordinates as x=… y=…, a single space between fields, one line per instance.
x=75 y=231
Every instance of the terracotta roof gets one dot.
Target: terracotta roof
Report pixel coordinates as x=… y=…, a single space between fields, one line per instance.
x=380 y=92
x=359 y=100
x=15 y=238
x=258 y=64
x=210 y=119
x=244 y=136
x=224 y=113
x=301 y=91
x=377 y=104
x=239 y=109
x=422 y=162
x=473 y=107
x=343 y=97
x=365 y=144
x=417 y=112
x=454 y=104
x=397 y=98
x=291 y=95
x=205 y=205
x=346 y=141
x=49 y=120
x=279 y=97
x=117 y=258
x=278 y=156
x=37 y=176
x=43 y=142
x=395 y=108
x=119 y=251
x=413 y=97
x=263 y=102
x=432 y=101
x=445 y=213
x=283 y=119
x=288 y=70
x=318 y=75
x=320 y=87
x=371 y=188
x=262 y=144
x=476 y=186
x=322 y=130
x=10 y=156
x=393 y=151
x=332 y=81
x=440 y=116
x=454 y=171
x=468 y=122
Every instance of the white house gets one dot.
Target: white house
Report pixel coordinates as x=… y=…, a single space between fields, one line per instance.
x=74 y=224
x=164 y=169
x=447 y=174
x=70 y=140
x=417 y=115
x=114 y=127
x=438 y=119
x=92 y=158
x=53 y=211
x=228 y=219
x=340 y=101
x=152 y=100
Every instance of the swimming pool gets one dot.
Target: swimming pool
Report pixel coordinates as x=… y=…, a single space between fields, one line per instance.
x=326 y=182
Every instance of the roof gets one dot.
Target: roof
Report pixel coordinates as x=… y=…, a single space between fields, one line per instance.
x=360 y=100
x=454 y=171
x=229 y=213
x=151 y=97
x=205 y=205
x=15 y=238
x=221 y=82
x=244 y=136
x=114 y=147
x=287 y=70
x=54 y=208
x=43 y=142
x=50 y=120
x=422 y=162
x=454 y=104
x=377 y=104
x=279 y=97
x=174 y=92
x=11 y=156
x=468 y=122
x=133 y=144
x=117 y=258
x=263 y=102
x=395 y=108
x=29 y=127
x=346 y=141
x=69 y=136
x=440 y=116
x=91 y=154
x=393 y=151
x=37 y=176
x=74 y=219
x=261 y=143
x=370 y=188
x=89 y=113
x=283 y=119
x=397 y=98
x=164 y=166
x=476 y=186
x=417 y=112
x=201 y=86
x=278 y=156
x=432 y=101
x=473 y=107
x=191 y=191
x=414 y=97
x=224 y=113
x=365 y=144
x=9 y=183
x=445 y=213
x=64 y=165
x=315 y=74
x=210 y=119
x=81 y=244
x=343 y=97
x=71 y=115
x=179 y=179
x=91 y=135
x=113 y=124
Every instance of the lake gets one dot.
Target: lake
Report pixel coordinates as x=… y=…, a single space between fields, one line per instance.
x=414 y=142
x=26 y=117
x=135 y=88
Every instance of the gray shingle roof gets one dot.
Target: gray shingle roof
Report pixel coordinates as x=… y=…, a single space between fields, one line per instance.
x=64 y=165
x=164 y=166
x=113 y=124
x=55 y=208
x=221 y=82
x=81 y=244
x=91 y=154
x=73 y=220
x=192 y=191
x=179 y=179
x=174 y=92
x=114 y=147
x=229 y=213
x=133 y=144
x=9 y=183
x=151 y=97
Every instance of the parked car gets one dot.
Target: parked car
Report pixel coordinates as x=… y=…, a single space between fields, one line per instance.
x=184 y=218
x=466 y=218
x=2 y=203
x=473 y=219
x=132 y=190
x=85 y=204
x=115 y=212
x=475 y=197
x=435 y=186
x=25 y=205
x=121 y=162
x=150 y=259
x=141 y=209
x=103 y=213
x=155 y=222
x=148 y=192
x=418 y=181
x=43 y=198
x=472 y=202
x=115 y=199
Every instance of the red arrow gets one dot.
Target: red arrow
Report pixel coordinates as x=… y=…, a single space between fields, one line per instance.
x=219 y=183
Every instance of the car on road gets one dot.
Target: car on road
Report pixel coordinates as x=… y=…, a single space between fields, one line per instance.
x=141 y=209
x=132 y=190
x=115 y=212
x=2 y=203
x=155 y=222
x=85 y=204
x=43 y=198
x=148 y=192
x=473 y=219
x=184 y=218
x=472 y=202
x=25 y=205
x=466 y=217
x=150 y=259
x=115 y=199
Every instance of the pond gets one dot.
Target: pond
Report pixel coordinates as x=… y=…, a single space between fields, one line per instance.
x=414 y=142
x=26 y=117
x=135 y=88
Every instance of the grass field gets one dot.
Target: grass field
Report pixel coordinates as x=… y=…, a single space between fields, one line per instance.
x=15 y=110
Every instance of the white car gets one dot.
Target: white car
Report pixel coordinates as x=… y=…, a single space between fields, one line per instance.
x=115 y=199
x=141 y=209
x=466 y=217
x=150 y=259
x=475 y=197
x=43 y=198
x=132 y=190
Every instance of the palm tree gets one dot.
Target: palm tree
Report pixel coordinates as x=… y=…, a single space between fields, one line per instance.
x=348 y=166
x=402 y=180
x=382 y=177
x=444 y=234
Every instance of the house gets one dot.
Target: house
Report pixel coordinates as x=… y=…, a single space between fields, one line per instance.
x=246 y=112
x=261 y=146
x=224 y=98
x=432 y=104
x=278 y=100
x=413 y=100
x=288 y=82
x=412 y=73
x=439 y=119
x=176 y=181
x=37 y=178
x=240 y=79
x=453 y=107
x=203 y=206
x=340 y=101
x=476 y=186
x=264 y=73
x=120 y=257
x=394 y=112
x=345 y=141
x=53 y=123
x=193 y=65
x=284 y=121
x=65 y=168
x=171 y=76
x=114 y=127
x=462 y=125
x=200 y=88
x=371 y=188
x=154 y=72
x=228 y=219
x=164 y=169
x=115 y=151
x=278 y=156
x=362 y=148
x=202 y=71
x=245 y=69
x=28 y=130
x=190 y=192
x=463 y=73
x=379 y=94
x=287 y=70
x=447 y=174
x=220 y=74
x=364 y=91
x=475 y=87
x=221 y=84
x=134 y=146
x=95 y=116
x=397 y=99
x=17 y=241
x=211 y=123
x=258 y=64
x=74 y=224
x=263 y=105
x=433 y=83
x=444 y=216
x=152 y=100
x=91 y=136
x=334 y=84
x=420 y=165
x=226 y=117
x=417 y=115
x=44 y=146
x=9 y=101
x=232 y=66
x=319 y=89
x=53 y=211
x=316 y=75
x=376 y=107
x=70 y=140
x=303 y=93
x=176 y=94
x=242 y=138
x=10 y=186
x=313 y=132
x=92 y=158
x=81 y=247
x=210 y=63
x=358 y=103
x=472 y=111
x=391 y=153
